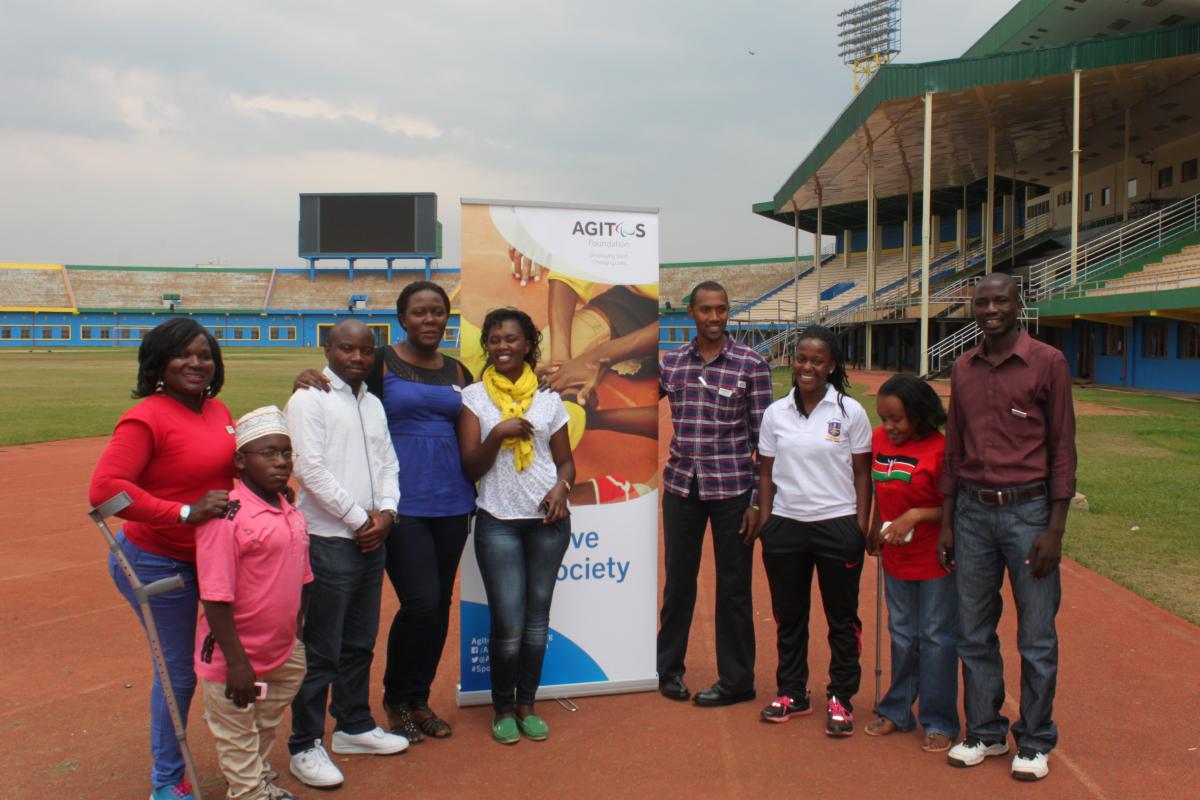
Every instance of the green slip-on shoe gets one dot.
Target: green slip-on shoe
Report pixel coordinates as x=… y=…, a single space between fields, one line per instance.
x=534 y=727
x=505 y=730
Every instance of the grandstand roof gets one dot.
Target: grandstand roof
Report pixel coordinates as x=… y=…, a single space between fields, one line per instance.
x=1027 y=97
x=1037 y=23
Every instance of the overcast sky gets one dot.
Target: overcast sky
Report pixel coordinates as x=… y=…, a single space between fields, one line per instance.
x=180 y=133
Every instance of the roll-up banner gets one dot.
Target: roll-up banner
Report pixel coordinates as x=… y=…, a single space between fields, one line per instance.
x=588 y=276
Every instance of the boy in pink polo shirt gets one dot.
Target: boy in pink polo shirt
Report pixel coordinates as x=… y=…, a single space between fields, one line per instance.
x=251 y=564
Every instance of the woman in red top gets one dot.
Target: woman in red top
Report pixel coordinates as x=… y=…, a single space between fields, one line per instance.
x=172 y=453
x=922 y=604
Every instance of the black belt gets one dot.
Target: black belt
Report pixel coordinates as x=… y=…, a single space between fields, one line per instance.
x=1003 y=497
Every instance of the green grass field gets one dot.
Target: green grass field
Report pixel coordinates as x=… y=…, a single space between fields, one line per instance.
x=66 y=394
x=1138 y=468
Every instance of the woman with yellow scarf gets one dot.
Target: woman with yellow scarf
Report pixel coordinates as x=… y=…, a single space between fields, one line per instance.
x=513 y=439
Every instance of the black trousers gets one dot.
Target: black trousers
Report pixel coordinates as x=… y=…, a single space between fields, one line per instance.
x=684 y=522
x=422 y=560
x=834 y=548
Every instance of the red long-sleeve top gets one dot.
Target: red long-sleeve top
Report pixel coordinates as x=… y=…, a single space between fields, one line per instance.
x=164 y=455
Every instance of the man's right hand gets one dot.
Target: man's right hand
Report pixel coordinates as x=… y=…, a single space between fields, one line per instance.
x=374 y=531
x=210 y=506
x=311 y=379
x=945 y=547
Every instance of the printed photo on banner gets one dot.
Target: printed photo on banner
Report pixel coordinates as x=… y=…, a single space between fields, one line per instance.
x=570 y=273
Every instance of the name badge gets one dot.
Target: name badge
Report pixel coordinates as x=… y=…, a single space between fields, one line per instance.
x=456 y=388
x=741 y=384
x=725 y=392
x=229 y=429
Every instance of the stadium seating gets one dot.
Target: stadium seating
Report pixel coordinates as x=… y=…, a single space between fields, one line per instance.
x=1177 y=271
x=32 y=288
x=331 y=290
x=743 y=281
x=198 y=288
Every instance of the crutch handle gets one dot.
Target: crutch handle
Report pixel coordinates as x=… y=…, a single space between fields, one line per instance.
x=110 y=507
x=171 y=584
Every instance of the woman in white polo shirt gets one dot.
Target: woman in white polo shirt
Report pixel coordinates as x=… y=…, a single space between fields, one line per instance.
x=814 y=491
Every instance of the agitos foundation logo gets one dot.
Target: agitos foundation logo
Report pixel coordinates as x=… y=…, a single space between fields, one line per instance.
x=613 y=229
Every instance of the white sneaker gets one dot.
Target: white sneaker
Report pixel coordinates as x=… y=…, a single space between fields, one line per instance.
x=374 y=742
x=970 y=752
x=313 y=767
x=1030 y=765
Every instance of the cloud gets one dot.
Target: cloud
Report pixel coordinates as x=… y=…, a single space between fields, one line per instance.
x=315 y=108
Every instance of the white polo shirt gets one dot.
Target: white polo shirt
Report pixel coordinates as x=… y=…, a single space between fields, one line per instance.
x=813 y=473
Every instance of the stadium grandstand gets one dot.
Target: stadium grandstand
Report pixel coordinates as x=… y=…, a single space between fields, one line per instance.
x=1062 y=147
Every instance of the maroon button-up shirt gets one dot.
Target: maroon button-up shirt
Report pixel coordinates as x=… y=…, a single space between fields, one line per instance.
x=1011 y=424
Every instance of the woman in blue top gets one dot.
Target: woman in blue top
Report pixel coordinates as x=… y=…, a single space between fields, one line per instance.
x=421 y=390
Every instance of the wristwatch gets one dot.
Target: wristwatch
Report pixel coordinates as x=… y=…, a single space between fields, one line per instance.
x=184 y=512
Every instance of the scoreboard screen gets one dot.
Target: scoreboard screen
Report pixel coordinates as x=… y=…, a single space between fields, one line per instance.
x=364 y=225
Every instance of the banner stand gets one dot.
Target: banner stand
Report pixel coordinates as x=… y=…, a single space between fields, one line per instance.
x=588 y=278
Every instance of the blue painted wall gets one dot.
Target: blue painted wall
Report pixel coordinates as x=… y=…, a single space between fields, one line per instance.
x=1133 y=369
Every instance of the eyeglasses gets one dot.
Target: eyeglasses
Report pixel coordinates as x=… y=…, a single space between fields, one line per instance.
x=270 y=453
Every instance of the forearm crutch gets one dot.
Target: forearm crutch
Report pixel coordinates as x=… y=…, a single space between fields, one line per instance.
x=143 y=593
x=878 y=626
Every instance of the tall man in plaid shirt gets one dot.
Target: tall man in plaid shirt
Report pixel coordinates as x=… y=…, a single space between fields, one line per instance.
x=718 y=390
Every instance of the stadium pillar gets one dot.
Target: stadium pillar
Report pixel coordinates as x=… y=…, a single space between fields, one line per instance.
x=428 y=269
x=926 y=235
x=1124 y=185
x=350 y=273
x=847 y=243
x=796 y=260
x=908 y=221
x=871 y=246
x=989 y=205
x=966 y=220
x=389 y=270
x=1075 y=179
x=817 y=246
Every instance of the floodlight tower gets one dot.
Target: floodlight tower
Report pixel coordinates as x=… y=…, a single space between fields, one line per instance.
x=869 y=37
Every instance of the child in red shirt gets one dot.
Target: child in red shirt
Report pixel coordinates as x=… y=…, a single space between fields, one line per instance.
x=922 y=604
x=252 y=563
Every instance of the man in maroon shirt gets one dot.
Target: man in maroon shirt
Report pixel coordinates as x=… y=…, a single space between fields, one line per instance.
x=1008 y=480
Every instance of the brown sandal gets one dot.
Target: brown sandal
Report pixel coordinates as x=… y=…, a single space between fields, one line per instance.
x=936 y=743
x=430 y=723
x=400 y=720
x=881 y=726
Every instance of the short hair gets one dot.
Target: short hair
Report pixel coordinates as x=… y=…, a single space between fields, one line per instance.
x=167 y=341
x=498 y=316
x=418 y=286
x=707 y=286
x=921 y=403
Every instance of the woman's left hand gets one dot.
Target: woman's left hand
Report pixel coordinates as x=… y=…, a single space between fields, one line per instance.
x=555 y=504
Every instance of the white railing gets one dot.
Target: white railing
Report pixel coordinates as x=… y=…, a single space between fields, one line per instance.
x=1158 y=280
x=1143 y=235
x=946 y=350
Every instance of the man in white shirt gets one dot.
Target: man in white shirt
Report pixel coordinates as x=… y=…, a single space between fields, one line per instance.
x=347 y=472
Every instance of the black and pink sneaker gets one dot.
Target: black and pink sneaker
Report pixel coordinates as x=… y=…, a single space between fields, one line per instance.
x=838 y=720
x=784 y=707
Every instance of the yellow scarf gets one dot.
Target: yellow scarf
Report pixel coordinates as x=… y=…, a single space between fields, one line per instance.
x=513 y=399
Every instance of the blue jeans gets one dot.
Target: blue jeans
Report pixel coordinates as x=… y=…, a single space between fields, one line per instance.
x=519 y=560
x=341 y=621
x=989 y=539
x=923 y=625
x=175 y=618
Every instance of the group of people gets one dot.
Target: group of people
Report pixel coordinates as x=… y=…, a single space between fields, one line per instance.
x=393 y=449
x=949 y=514
x=396 y=449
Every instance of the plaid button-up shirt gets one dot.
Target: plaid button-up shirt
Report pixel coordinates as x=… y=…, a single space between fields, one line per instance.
x=716 y=410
